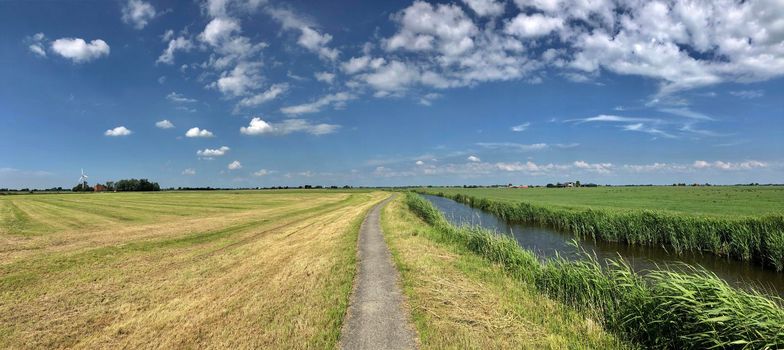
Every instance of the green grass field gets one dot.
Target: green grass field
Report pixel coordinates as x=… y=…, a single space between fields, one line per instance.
x=713 y=200
x=242 y=269
x=745 y=223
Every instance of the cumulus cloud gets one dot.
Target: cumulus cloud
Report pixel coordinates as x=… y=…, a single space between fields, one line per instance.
x=536 y=25
x=36 y=44
x=310 y=38
x=196 y=132
x=78 y=50
x=486 y=8
x=270 y=94
x=241 y=80
x=209 y=153
x=325 y=77
x=178 y=44
x=258 y=126
x=118 y=131
x=189 y=172
x=219 y=30
x=473 y=159
x=138 y=13
x=680 y=44
x=262 y=172
x=721 y=165
x=235 y=165
x=602 y=168
x=336 y=100
x=164 y=124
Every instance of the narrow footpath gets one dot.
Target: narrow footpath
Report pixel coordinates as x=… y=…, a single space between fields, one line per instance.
x=376 y=318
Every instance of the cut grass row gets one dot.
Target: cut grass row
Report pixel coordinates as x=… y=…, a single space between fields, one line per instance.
x=458 y=300
x=757 y=239
x=663 y=309
x=276 y=275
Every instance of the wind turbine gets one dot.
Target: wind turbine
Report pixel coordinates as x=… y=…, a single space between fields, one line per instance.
x=83 y=180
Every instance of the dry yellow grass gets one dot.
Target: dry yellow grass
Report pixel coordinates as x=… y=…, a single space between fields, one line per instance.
x=459 y=300
x=275 y=276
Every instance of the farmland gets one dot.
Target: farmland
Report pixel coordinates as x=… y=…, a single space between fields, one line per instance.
x=711 y=201
x=196 y=269
x=663 y=309
x=743 y=223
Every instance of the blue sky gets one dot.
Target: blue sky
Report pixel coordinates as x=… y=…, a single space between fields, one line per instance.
x=245 y=93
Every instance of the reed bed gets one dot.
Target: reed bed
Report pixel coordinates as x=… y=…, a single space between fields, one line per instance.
x=756 y=239
x=686 y=309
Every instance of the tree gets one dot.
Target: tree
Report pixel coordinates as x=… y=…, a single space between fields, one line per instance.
x=127 y=185
x=82 y=188
x=577 y=184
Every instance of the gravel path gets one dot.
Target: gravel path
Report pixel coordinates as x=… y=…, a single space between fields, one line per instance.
x=376 y=317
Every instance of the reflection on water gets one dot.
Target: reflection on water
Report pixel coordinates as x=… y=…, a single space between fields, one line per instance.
x=546 y=242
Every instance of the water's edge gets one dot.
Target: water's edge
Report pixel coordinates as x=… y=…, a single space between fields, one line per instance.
x=546 y=243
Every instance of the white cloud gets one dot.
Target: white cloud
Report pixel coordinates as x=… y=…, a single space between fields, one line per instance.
x=189 y=172
x=336 y=100
x=536 y=25
x=681 y=44
x=686 y=113
x=219 y=30
x=164 y=124
x=207 y=152
x=510 y=146
x=521 y=127
x=270 y=94
x=325 y=77
x=473 y=159
x=258 y=126
x=748 y=94
x=601 y=168
x=428 y=99
x=138 y=13
x=235 y=165
x=721 y=165
x=36 y=45
x=419 y=162
x=179 y=98
x=310 y=38
x=179 y=44
x=613 y=118
x=118 y=131
x=196 y=132
x=262 y=172
x=240 y=80
x=486 y=8
x=641 y=127
x=79 y=51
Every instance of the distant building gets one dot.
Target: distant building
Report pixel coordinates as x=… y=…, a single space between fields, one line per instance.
x=100 y=188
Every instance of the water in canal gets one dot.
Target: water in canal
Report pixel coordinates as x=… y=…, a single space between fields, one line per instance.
x=546 y=242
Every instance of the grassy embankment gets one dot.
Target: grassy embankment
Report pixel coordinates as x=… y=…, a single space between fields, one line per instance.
x=208 y=270
x=459 y=300
x=664 y=309
x=744 y=223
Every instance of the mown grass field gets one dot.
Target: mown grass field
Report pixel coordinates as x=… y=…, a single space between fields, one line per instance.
x=713 y=200
x=459 y=300
x=245 y=269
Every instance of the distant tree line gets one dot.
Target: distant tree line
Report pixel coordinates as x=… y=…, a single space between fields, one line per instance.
x=133 y=185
